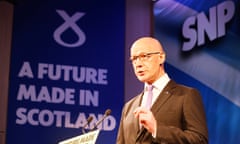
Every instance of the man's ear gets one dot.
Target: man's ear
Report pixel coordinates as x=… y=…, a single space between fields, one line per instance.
x=162 y=58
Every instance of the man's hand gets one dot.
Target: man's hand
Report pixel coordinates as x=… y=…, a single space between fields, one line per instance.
x=146 y=119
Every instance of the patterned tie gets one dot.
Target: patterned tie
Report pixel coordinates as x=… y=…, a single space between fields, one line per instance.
x=149 y=97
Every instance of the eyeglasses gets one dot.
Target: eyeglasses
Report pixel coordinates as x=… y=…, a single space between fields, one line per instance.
x=142 y=57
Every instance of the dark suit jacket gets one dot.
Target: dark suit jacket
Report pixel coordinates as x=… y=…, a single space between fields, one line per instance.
x=180 y=116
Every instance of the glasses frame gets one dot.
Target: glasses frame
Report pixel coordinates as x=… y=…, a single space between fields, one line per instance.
x=143 y=57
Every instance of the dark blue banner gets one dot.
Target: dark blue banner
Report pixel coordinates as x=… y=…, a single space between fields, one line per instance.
x=67 y=64
x=202 y=43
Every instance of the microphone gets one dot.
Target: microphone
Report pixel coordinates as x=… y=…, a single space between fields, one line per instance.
x=107 y=113
x=90 y=118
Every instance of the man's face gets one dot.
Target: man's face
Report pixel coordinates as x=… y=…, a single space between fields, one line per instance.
x=146 y=63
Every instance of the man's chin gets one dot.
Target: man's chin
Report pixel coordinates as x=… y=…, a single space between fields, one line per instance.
x=142 y=79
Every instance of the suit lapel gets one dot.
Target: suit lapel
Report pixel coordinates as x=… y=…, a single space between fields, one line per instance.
x=136 y=104
x=163 y=96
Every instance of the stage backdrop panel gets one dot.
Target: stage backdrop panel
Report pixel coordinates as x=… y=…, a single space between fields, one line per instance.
x=67 y=64
x=202 y=42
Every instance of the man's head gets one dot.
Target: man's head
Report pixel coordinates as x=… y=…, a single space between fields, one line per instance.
x=148 y=57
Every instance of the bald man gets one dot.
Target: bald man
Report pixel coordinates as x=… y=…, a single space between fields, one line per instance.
x=176 y=114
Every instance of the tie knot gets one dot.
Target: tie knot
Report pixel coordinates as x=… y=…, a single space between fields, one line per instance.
x=149 y=87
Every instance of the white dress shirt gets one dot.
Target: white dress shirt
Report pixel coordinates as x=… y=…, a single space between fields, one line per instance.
x=157 y=88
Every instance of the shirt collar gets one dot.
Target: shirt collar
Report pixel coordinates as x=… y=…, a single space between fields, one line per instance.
x=160 y=83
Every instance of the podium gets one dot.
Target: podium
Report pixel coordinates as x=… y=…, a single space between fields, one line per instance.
x=87 y=138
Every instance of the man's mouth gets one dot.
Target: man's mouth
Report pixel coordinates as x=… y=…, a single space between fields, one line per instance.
x=140 y=73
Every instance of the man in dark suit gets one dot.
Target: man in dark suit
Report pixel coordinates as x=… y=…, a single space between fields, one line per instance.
x=176 y=115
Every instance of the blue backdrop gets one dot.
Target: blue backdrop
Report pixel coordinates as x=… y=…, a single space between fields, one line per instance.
x=67 y=63
x=202 y=43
